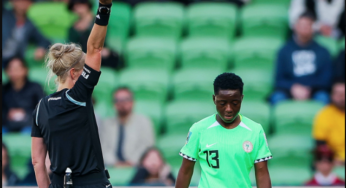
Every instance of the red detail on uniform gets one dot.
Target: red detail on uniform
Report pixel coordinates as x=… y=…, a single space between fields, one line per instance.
x=313 y=182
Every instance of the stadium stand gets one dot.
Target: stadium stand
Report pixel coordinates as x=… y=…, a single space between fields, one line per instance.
x=258 y=111
x=159 y=19
x=53 y=19
x=258 y=83
x=152 y=109
x=329 y=43
x=151 y=52
x=214 y=19
x=39 y=74
x=194 y=84
x=295 y=117
x=256 y=20
x=19 y=148
x=181 y=114
x=205 y=53
x=119 y=26
x=255 y=52
x=148 y=84
x=172 y=55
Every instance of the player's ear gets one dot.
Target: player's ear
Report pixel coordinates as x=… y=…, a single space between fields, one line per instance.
x=214 y=99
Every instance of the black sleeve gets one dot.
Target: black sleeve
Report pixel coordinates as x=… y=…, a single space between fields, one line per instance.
x=140 y=176
x=35 y=130
x=82 y=90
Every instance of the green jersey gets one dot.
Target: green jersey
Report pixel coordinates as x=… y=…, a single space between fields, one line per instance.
x=226 y=156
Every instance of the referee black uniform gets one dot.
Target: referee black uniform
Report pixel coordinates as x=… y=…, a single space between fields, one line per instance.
x=66 y=121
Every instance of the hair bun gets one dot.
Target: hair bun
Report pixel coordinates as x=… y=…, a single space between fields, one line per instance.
x=58 y=50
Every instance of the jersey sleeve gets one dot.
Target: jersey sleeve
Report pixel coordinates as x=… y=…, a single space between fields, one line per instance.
x=263 y=152
x=35 y=130
x=192 y=146
x=82 y=90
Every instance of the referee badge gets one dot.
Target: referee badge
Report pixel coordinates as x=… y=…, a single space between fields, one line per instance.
x=247 y=146
x=188 y=137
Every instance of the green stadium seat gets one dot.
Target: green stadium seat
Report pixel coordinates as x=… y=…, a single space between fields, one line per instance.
x=255 y=52
x=104 y=109
x=148 y=52
x=19 y=150
x=213 y=19
x=180 y=115
x=256 y=20
x=289 y=176
x=29 y=57
x=39 y=75
x=121 y=176
x=119 y=26
x=329 y=43
x=258 y=82
x=152 y=109
x=340 y=171
x=291 y=150
x=4 y=77
x=106 y=85
x=170 y=146
x=146 y=84
x=53 y=19
x=194 y=84
x=295 y=116
x=164 y=19
x=258 y=111
x=205 y=52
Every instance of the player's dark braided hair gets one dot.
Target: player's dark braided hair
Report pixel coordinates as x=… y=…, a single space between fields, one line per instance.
x=228 y=81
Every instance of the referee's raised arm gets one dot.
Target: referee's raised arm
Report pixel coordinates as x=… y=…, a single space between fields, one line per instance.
x=98 y=34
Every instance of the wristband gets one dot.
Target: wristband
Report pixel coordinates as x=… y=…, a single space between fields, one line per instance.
x=102 y=15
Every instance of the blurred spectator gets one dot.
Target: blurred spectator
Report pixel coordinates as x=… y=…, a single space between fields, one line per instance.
x=153 y=170
x=8 y=177
x=339 y=66
x=324 y=166
x=19 y=97
x=328 y=14
x=18 y=30
x=329 y=124
x=303 y=67
x=126 y=137
x=80 y=31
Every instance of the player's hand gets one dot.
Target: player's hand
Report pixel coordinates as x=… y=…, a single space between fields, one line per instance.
x=105 y=2
x=39 y=53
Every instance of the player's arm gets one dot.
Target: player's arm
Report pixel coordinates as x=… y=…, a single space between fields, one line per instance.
x=38 y=154
x=262 y=175
x=185 y=174
x=97 y=36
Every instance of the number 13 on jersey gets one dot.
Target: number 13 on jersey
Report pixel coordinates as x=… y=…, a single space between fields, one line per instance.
x=214 y=158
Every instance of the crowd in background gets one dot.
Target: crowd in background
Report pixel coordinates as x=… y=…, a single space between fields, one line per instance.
x=304 y=70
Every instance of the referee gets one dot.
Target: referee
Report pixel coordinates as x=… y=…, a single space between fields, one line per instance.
x=64 y=122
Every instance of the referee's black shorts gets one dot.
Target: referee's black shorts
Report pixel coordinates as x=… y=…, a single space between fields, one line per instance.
x=95 y=180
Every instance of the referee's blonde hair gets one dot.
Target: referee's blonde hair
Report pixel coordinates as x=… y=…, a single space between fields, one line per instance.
x=61 y=58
